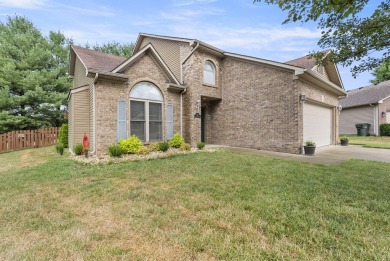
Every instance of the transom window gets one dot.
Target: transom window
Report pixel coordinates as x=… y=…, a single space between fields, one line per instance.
x=209 y=73
x=146 y=112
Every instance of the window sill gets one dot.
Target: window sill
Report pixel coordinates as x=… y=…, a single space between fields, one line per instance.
x=209 y=85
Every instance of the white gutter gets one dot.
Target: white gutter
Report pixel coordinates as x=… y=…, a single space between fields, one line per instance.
x=181 y=111
x=185 y=90
x=188 y=56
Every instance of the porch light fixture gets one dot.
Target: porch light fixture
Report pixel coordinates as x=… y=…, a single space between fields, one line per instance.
x=339 y=108
x=302 y=97
x=383 y=114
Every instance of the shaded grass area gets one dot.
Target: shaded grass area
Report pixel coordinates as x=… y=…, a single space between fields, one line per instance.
x=204 y=206
x=380 y=142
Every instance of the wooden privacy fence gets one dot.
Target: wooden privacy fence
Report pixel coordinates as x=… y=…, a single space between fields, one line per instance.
x=17 y=140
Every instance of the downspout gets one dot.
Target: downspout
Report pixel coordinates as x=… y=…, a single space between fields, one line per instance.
x=94 y=112
x=181 y=111
x=185 y=90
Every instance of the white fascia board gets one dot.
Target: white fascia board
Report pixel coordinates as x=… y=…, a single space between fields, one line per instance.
x=298 y=70
x=334 y=86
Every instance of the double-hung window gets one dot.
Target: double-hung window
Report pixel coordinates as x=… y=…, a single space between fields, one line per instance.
x=146 y=104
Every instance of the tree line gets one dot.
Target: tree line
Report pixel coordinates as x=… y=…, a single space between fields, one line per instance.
x=34 y=83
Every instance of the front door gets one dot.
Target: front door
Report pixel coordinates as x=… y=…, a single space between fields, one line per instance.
x=202 y=123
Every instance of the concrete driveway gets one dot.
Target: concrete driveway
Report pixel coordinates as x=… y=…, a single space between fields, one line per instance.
x=329 y=155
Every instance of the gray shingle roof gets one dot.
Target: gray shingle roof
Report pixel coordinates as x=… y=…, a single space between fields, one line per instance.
x=305 y=62
x=98 y=61
x=366 y=95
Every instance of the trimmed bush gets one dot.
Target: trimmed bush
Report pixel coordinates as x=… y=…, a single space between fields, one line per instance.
x=131 y=145
x=60 y=148
x=185 y=146
x=385 y=129
x=163 y=146
x=176 y=141
x=143 y=150
x=63 y=135
x=154 y=147
x=78 y=148
x=200 y=145
x=115 y=150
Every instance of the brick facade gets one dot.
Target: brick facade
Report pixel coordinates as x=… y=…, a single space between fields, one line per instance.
x=108 y=93
x=253 y=104
x=383 y=107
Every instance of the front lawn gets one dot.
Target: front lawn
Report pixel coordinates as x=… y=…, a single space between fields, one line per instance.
x=202 y=206
x=381 y=142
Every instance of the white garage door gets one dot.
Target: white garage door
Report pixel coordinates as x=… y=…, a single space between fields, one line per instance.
x=317 y=124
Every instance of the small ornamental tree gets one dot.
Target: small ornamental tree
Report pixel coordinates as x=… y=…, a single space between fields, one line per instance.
x=63 y=135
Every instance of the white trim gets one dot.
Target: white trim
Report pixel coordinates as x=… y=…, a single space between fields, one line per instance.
x=381 y=101
x=376 y=120
x=79 y=89
x=298 y=70
x=86 y=69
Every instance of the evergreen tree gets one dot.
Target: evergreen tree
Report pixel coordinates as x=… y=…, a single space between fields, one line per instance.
x=33 y=76
x=124 y=50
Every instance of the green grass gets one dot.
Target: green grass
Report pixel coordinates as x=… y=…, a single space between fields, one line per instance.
x=223 y=205
x=370 y=141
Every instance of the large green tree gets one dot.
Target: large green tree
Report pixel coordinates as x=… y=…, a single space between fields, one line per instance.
x=33 y=76
x=125 y=50
x=382 y=73
x=357 y=31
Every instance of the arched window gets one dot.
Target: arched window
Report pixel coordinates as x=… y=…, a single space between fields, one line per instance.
x=146 y=111
x=209 y=73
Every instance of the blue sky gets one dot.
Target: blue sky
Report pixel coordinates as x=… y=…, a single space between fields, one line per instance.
x=237 y=26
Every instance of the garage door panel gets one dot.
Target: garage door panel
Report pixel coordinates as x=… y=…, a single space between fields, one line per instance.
x=317 y=124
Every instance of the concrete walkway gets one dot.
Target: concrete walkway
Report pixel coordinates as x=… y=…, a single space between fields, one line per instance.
x=329 y=155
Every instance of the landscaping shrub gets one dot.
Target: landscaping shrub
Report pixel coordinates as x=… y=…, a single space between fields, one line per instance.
x=385 y=129
x=154 y=146
x=185 y=146
x=60 y=148
x=63 y=135
x=78 y=148
x=163 y=146
x=143 y=151
x=131 y=144
x=176 y=141
x=200 y=145
x=115 y=150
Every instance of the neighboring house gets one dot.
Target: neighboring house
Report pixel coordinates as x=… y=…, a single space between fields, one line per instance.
x=370 y=104
x=172 y=85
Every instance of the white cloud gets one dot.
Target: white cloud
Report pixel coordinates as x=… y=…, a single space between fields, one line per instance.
x=266 y=38
x=96 y=11
x=98 y=34
x=189 y=14
x=23 y=4
x=191 y=2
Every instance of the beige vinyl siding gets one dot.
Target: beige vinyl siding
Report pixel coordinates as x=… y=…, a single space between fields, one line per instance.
x=81 y=113
x=352 y=116
x=169 y=52
x=70 y=122
x=79 y=78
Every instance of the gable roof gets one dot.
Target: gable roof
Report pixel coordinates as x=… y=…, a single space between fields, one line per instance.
x=371 y=94
x=113 y=66
x=97 y=61
x=308 y=62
